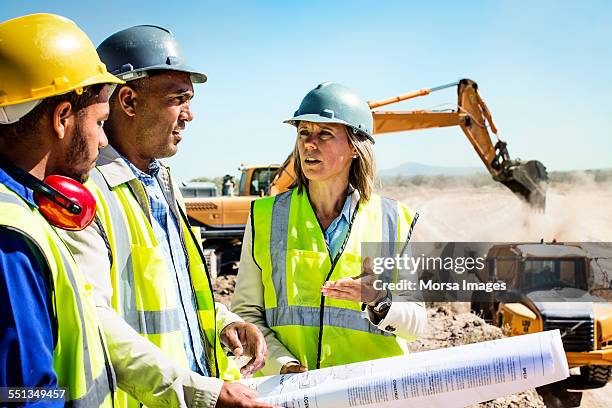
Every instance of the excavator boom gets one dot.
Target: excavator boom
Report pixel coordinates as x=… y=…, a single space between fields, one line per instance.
x=525 y=179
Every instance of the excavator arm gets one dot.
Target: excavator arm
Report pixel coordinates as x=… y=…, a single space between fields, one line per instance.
x=526 y=179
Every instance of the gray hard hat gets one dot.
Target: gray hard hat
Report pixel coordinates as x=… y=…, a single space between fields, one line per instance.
x=130 y=53
x=330 y=102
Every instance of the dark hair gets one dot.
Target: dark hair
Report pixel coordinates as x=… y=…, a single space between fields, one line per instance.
x=27 y=125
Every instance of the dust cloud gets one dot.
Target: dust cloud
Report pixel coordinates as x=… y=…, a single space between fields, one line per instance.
x=577 y=211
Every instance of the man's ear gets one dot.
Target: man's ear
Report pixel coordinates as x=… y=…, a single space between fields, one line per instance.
x=62 y=118
x=126 y=98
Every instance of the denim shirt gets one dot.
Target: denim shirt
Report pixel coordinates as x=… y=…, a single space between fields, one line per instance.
x=337 y=230
x=166 y=230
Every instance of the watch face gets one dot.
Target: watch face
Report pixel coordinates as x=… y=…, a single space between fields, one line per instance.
x=383 y=305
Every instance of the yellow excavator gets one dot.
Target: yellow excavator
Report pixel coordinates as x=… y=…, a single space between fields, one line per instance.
x=222 y=219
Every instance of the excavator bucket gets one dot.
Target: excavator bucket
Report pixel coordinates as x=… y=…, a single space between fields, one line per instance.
x=527 y=180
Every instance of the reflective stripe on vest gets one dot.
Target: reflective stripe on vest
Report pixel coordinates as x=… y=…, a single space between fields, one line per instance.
x=73 y=367
x=290 y=249
x=310 y=316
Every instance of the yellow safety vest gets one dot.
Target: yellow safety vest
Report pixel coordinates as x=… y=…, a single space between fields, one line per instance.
x=143 y=283
x=289 y=248
x=80 y=357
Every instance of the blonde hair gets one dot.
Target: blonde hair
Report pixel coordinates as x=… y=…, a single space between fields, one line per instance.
x=361 y=173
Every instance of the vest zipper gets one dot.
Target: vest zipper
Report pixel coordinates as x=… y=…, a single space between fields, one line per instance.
x=334 y=261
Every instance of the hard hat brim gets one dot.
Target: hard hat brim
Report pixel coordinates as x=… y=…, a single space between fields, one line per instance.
x=196 y=77
x=313 y=117
x=103 y=78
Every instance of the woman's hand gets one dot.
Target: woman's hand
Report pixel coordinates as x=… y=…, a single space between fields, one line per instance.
x=358 y=289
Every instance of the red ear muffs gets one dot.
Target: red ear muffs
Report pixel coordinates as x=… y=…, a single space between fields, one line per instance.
x=66 y=203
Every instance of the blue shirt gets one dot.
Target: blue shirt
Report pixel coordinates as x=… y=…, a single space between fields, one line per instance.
x=26 y=330
x=166 y=230
x=337 y=230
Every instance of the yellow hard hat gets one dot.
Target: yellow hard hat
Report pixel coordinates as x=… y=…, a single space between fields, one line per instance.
x=43 y=55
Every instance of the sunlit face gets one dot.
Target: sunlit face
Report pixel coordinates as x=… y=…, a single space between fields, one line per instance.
x=325 y=151
x=163 y=113
x=86 y=138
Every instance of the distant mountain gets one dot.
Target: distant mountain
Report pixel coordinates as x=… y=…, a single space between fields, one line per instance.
x=418 y=169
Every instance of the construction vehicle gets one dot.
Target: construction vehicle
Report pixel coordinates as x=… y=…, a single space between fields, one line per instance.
x=222 y=219
x=553 y=286
x=198 y=189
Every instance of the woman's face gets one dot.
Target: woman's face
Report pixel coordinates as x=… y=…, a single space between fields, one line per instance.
x=325 y=151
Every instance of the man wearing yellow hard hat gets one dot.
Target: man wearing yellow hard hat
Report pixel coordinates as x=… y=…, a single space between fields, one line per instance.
x=54 y=93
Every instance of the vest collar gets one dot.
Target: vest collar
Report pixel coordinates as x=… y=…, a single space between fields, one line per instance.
x=114 y=168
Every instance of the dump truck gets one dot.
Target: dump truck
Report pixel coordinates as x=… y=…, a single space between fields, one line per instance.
x=565 y=286
x=222 y=219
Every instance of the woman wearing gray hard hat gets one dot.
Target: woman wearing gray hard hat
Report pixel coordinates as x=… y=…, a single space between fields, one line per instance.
x=302 y=278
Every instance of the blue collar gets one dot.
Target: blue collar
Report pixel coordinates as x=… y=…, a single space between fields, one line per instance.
x=154 y=167
x=22 y=191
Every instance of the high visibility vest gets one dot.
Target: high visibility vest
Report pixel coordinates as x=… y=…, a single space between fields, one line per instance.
x=143 y=283
x=289 y=248
x=80 y=357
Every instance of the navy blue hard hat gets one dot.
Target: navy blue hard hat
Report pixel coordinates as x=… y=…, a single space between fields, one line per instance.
x=130 y=53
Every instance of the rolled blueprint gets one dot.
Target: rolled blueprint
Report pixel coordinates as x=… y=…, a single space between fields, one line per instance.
x=450 y=377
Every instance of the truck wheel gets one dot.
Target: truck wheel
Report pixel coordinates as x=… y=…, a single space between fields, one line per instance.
x=482 y=305
x=596 y=374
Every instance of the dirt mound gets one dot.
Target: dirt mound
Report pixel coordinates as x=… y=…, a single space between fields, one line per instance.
x=224 y=287
x=451 y=324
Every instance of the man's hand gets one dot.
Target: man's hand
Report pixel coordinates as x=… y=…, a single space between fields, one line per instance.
x=293 y=367
x=238 y=395
x=245 y=338
x=359 y=289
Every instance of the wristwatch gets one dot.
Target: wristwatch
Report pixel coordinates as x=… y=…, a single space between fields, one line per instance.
x=383 y=305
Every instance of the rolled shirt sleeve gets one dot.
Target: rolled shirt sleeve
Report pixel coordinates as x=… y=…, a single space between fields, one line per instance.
x=407 y=320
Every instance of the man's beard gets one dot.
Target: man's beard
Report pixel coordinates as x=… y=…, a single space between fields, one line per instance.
x=76 y=156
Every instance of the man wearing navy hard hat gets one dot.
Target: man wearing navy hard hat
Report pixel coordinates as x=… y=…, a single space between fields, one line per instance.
x=156 y=303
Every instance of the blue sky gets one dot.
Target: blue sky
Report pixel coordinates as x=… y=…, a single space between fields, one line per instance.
x=544 y=69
